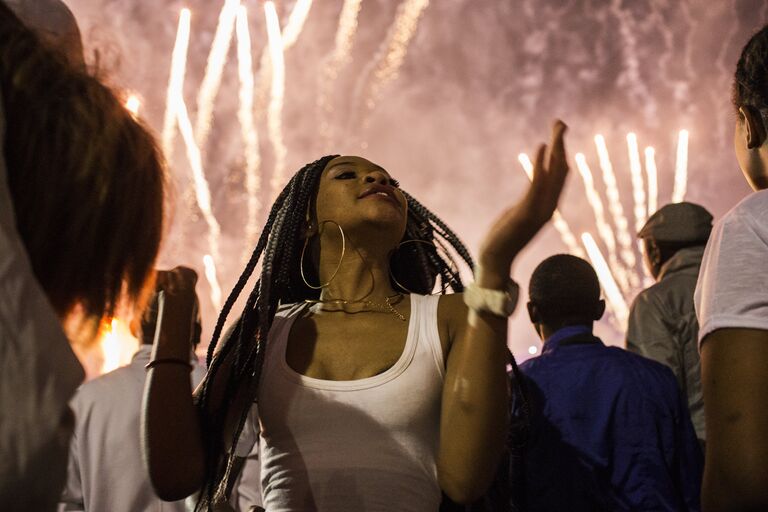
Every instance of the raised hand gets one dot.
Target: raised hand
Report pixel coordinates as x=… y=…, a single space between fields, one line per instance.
x=519 y=224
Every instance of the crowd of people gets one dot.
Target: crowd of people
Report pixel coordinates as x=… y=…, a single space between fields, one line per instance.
x=345 y=382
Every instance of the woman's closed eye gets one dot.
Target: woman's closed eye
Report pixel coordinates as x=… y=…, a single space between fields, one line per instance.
x=346 y=175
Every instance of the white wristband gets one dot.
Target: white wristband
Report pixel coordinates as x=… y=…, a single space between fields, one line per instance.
x=496 y=302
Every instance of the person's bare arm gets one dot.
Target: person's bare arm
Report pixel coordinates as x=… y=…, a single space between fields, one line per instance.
x=734 y=365
x=473 y=424
x=171 y=436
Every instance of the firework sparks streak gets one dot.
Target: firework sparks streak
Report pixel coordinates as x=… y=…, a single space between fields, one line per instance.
x=345 y=35
x=612 y=293
x=617 y=211
x=176 y=81
x=177 y=115
x=638 y=186
x=210 y=274
x=214 y=70
x=558 y=221
x=248 y=125
x=681 y=168
x=275 y=110
x=393 y=54
x=653 y=180
x=603 y=228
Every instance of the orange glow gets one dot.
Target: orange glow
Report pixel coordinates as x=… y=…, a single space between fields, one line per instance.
x=132 y=105
x=117 y=345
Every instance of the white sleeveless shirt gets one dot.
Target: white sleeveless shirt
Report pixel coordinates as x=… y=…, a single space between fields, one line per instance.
x=362 y=445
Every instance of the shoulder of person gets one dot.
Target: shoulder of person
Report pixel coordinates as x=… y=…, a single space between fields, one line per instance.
x=752 y=209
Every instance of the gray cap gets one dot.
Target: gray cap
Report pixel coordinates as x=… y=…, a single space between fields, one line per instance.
x=54 y=23
x=678 y=222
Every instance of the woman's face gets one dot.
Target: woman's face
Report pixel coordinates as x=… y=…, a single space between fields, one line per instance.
x=358 y=194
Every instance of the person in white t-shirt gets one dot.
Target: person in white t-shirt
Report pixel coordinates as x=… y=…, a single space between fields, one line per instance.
x=106 y=471
x=732 y=306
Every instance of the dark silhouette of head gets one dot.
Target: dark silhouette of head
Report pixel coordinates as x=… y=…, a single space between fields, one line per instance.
x=86 y=179
x=750 y=100
x=564 y=291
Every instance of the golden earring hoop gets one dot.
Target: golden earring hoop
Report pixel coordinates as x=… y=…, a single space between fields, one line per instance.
x=338 y=267
x=453 y=269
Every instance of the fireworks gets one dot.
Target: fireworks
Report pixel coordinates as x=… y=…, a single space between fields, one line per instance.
x=557 y=219
x=214 y=70
x=653 y=180
x=681 y=167
x=248 y=126
x=275 y=110
x=392 y=55
x=210 y=274
x=611 y=290
x=618 y=278
x=176 y=82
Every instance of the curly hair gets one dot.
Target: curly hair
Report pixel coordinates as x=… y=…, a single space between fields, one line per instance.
x=86 y=179
x=420 y=270
x=750 y=82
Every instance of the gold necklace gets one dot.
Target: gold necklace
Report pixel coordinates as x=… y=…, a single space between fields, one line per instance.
x=388 y=306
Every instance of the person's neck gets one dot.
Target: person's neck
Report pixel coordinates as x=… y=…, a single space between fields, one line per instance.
x=362 y=275
x=546 y=331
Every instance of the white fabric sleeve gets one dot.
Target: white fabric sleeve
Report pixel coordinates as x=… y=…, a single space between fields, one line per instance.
x=38 y=375
x=732 y=290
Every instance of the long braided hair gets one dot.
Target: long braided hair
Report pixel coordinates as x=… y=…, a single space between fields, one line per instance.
x=420 y=268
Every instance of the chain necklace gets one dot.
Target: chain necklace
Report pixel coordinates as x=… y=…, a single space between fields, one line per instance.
x=387 y=307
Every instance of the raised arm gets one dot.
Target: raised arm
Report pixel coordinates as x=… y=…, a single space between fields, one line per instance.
x=475 y=397
x=734 y=365
x=171 y=434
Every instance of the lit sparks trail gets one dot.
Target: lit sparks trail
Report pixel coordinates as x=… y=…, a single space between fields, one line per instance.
x=557 y=219
x=653 y=180
x=248 y=126
x=295 y=24
x=681 y=168
x=391 y=58
x=176 y=82
x=638 y=187
x=275 y=109
x=612 y=293
x=345 y=35
x=290 y=34
x=617 y=211
x=603 y=228
x=214 y=70
x=202 y=191
x=133 y=104
x=210 y=274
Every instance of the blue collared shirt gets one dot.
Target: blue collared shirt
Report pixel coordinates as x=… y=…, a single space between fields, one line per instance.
x=609 y=431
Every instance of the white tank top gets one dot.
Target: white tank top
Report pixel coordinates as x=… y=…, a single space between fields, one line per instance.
x=364 y=445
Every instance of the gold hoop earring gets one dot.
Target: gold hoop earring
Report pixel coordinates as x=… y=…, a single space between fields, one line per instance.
x=338 y=267
x=453 y=267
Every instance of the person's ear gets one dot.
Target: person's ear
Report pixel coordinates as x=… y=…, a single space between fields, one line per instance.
x=600 y=310
x=533 y=313
x=754 y=129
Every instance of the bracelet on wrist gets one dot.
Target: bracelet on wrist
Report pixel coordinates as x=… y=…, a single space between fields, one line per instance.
x=168 y=360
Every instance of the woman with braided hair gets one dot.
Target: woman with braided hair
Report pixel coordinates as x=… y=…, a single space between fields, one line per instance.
x=372 y=394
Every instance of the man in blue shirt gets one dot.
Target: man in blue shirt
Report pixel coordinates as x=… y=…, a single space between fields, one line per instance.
x=609 y=430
